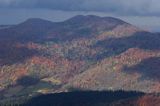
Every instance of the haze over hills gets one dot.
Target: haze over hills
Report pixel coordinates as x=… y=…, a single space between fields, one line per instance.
x=5 y=26
x=84 y=52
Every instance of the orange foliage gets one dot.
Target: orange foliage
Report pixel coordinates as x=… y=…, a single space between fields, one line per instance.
x=21 y=71
x=42 y=61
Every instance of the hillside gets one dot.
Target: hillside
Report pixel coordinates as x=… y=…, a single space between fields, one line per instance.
x=84 y=52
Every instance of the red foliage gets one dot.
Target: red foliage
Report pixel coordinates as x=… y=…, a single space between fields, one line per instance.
x=149 y=100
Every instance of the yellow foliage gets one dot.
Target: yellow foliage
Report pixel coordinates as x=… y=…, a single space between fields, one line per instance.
x=52 y=80
x=43 y=91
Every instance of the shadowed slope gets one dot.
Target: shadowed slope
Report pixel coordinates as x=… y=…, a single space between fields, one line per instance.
x=116 y=46
x=148 y=68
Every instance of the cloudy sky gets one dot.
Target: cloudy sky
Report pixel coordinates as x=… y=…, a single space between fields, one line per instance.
x=143 y=13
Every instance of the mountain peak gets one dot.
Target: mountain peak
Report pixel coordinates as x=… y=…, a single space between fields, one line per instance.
x=84 y=18
x=94 y=18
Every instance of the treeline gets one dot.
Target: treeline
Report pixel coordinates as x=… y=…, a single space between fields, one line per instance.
x=76 y=98
x=82 y=98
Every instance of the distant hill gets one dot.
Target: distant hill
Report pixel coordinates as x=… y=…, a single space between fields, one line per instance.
x=5 y=26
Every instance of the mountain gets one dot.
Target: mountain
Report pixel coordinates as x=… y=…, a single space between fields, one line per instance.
x=84 y=52
x=78 y=26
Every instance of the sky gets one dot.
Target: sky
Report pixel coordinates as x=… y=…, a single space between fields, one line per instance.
x=142 y=13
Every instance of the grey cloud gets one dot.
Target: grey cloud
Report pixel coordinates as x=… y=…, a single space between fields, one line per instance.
x=118 y=7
